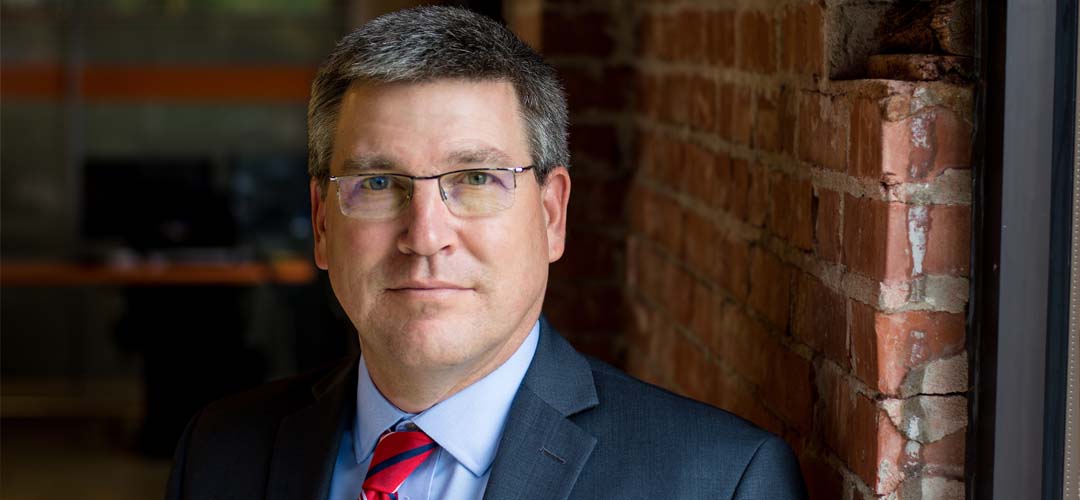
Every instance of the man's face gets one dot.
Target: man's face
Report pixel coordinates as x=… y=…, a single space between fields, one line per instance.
x=430 y=289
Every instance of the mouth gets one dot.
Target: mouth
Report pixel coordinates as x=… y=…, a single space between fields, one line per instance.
x=428 y=288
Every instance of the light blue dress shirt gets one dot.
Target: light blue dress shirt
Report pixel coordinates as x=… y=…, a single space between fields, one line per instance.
x=466 y=426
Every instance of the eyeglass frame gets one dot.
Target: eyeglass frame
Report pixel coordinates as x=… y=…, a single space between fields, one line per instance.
x=414 y=178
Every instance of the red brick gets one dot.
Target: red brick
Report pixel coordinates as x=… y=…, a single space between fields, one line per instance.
x=693 y=371
x=677 y=286
x=886 y=346
x=746 y=346
x=742 y=115
x=827 y=225
x=701 y=244
x=790 y=395
x=691 y=35
x=866 y=139
x=791 y=216
x=767 y=136
x=744 y=402
x=770 y=287
x=803 y=49
x=733 y=268
x=661 y=350
x=758 y=197
x=821 y=318
x=698 y=165
x=754 y=42
x=876 y=238
x=720 y=37
x=725 y=119
x=585 y=33
x=706 y=312
x=936 y=140
x=663 y=222
x=948 y=242
x=676 y=105
x=702 y=104
x=738 y=189
x=822 y=138
x=649 y=269
x=916 y=148
x=860 y=433
x=721 y=187
x=789 y=114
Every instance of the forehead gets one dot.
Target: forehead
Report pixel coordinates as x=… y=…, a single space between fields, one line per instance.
x=431 y=124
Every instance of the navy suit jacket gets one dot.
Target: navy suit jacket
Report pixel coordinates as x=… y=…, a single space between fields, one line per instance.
x=577 y=429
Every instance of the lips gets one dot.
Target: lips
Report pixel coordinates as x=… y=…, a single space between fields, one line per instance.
x=421 y=285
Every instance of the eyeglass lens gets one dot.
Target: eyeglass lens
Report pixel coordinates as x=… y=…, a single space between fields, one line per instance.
x=466 y=193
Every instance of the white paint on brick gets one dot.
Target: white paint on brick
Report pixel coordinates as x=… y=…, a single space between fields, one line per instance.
x=912 y=430
x=912 y=449
x=920 y=131
x=918 y=222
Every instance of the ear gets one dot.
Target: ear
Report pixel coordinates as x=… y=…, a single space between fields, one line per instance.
x=318 y=223
x=555 y=195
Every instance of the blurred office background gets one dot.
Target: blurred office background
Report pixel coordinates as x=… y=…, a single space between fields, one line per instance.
x=155 y=226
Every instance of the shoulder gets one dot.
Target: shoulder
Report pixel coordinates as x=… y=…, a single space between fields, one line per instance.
x=706 y=447
x=620 y=392
x=270 y=401
x=248 y=421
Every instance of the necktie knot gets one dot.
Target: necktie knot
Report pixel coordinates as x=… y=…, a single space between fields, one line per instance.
x=396 y=456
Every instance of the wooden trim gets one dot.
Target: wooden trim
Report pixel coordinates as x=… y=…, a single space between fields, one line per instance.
x=126 y=83
x=290 y=272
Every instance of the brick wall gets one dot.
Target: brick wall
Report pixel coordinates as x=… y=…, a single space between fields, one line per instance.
x=771 y=239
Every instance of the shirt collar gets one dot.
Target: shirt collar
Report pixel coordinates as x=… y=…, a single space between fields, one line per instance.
x=467 y=425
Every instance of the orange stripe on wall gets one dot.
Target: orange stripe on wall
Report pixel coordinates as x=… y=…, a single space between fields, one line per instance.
x=115 y=83
x=34 y=81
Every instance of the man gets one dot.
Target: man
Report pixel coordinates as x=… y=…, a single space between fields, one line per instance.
x=439 y=191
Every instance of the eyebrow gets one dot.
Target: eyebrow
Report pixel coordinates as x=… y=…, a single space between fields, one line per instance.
x=479 y=155
x=368 y=163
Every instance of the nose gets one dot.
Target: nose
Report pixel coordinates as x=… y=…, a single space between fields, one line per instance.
x=429 y=226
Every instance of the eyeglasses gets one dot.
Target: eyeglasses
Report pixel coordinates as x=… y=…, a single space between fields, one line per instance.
x=467 y=193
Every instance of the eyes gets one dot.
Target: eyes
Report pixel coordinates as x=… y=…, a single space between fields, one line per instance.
x=467 y=193
x=381 y=182
x=477 y=178
x=375 y=183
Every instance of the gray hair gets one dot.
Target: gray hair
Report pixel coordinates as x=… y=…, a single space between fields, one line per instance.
x=423 y=44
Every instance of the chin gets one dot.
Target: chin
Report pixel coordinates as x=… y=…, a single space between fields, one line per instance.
x=429 y=340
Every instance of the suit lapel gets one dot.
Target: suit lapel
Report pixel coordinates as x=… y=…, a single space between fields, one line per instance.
x=541 y=452
x=307 y=441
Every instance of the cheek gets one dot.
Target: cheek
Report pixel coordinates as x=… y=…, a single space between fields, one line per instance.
x=513 y=248
x=355 y=254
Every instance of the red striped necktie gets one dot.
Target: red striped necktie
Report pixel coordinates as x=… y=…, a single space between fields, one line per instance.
x=397 y=455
